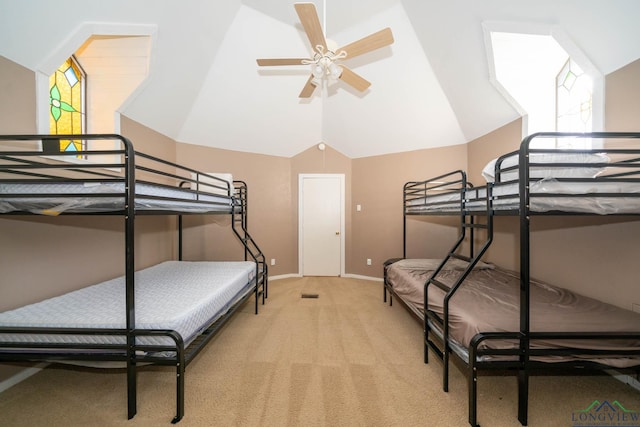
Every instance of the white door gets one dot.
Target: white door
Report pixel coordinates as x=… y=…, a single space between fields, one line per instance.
x=321 y=224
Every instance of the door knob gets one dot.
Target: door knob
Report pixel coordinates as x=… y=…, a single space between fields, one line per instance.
x=337 y=233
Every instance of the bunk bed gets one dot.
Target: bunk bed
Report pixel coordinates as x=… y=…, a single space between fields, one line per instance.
x=164 y=314
x=493 y=319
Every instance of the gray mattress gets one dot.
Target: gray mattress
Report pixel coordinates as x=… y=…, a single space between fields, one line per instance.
x=592 y=197
x=53 y=198
x=177 y=295
x=565 y=182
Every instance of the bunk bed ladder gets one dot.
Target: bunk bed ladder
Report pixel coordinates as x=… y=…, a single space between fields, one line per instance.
x=251 y=249
x=467 y=222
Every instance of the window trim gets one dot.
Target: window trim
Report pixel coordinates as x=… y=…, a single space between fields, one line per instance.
x=67 y=49
x=561 y=37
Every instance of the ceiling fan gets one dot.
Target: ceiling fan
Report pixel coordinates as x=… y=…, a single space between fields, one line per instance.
x=324 y=62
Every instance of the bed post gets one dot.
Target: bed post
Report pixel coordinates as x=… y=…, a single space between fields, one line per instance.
x=180 y=368
x=404 y=220
x=179 y=237
x=523 y=395
x=523 y=371
x=472 y=379
x=129 y=171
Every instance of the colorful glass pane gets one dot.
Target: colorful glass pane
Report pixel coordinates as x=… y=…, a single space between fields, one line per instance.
x=574 y=92
x=66 y=104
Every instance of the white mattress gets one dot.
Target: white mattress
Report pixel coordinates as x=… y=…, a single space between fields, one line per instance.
x=543 y=200
x=43 y=198
x=579 y=165
x=176 y=295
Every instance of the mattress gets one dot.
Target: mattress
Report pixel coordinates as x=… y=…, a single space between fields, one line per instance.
x=565 y=182
x=177 y=295
x=408 y=277
x=574 y=165
x=53 y=198
x=549 y=194
x=489 y=301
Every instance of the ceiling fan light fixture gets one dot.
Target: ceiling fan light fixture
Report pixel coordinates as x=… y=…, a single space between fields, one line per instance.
x=334 y=71
x=325 y=67
x=317 y=70
x=323 y=63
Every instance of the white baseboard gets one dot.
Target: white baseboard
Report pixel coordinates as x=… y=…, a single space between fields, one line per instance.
x=283 y=276
x=347 y=276
x=21 y=376
x=358 y=276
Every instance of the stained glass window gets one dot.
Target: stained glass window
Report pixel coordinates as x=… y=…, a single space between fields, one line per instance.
x=574 y=99
x=66 y=99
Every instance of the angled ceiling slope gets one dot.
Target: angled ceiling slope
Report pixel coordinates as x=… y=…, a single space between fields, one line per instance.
x=431 y=89
x=395 y=115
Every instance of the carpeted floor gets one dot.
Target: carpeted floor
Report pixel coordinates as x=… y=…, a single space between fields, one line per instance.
x=342 y=359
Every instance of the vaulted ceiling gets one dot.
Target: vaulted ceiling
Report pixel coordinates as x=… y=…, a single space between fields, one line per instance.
x=432 y=87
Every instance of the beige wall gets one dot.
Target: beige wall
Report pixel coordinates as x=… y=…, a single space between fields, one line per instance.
x=18 y=90
x=17 y=86
x=270 y=213
x=622 y=99
x=488 y=147
x=377 y=187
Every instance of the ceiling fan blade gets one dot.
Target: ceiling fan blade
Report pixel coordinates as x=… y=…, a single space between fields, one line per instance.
x=280 y=61
x=311 y=23
x=308 y=88
x=372 y=42
x=354 y=79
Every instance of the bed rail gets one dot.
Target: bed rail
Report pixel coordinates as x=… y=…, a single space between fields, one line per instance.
x=449 y=189
x=95 y=180
x=602 y=179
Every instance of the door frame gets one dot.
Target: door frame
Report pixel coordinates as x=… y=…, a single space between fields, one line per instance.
x=301 y=178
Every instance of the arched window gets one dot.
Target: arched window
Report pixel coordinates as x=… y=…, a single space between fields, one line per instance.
x=67 y=87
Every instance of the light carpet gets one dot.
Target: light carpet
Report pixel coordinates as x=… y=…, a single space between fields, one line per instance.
x=342 y=359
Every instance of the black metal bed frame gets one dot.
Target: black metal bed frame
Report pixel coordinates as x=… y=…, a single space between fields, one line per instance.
x=522 y=356
x=29 y=165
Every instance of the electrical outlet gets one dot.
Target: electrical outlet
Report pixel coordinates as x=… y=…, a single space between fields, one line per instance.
x=368 y=261
x=273 y=261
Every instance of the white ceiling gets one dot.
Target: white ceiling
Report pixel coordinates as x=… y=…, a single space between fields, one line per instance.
x=430 y=88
